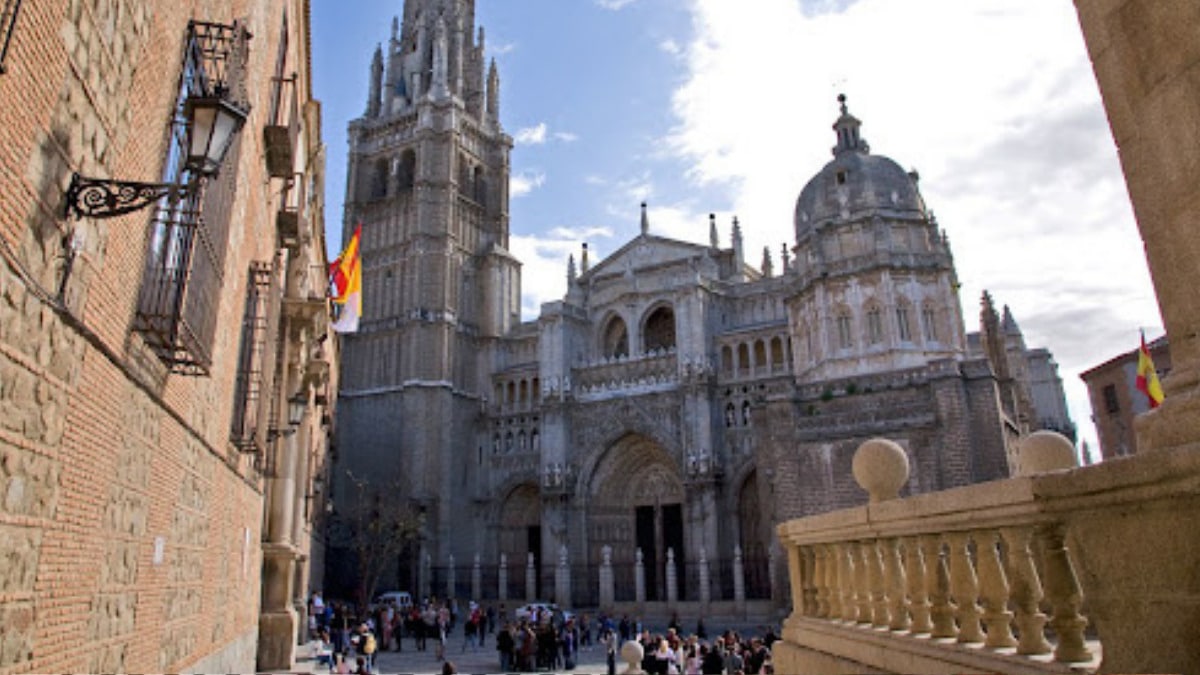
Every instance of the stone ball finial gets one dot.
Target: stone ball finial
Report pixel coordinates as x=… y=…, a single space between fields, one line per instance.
x=632 y=653
x=1044 y=451
x=881 y=468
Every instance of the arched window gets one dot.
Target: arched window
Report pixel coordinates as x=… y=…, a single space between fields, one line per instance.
x=777 y=362
x=523 y=399
x=743 y=353
x=845 y=336
x=874 y=326
x=479 y=185
x=508 y=442
x=726 y=361
x=521 y=446
x=730 y=413
x=659 y=333
x=406 y=171
x=511 y=398
x=535 y=440
x=496 y=444
x=760 y=356
x=929 y=323
x=745 y=413
x=616 y=338
x=379 y=177
x=904 y=328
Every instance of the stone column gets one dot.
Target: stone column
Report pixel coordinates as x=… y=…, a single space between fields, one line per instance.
x=562 y=579
x=607 y=596
x=739 y=581
x=277 y=624
x=672 y=579
x=639 y=579
x=530 y=580
x=705 y=581
x=451 y=578
x=426 y=573
x=1151 y=92
x=476 y=580
x=502 y=574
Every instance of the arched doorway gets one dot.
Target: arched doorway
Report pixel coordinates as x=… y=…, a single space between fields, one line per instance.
x=520 y=533
x=637 y=502
x=754 y=536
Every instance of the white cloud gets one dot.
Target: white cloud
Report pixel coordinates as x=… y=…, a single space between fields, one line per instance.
x=539 y=134
x=614 y=4
x=670 y=46
x=531 y=135
x=523 y=183
x=544 y=261
x=994 y=102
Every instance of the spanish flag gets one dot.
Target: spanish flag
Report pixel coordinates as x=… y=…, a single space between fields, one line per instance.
x=345 y=282
x=1147 y=377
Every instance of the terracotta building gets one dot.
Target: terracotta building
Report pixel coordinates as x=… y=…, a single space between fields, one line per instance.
x=163 y=378
x=1116 y=401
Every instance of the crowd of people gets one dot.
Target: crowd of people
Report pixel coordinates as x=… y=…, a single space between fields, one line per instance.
x=347 y=640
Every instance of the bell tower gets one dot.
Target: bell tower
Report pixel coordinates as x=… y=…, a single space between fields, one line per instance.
x=428 y=181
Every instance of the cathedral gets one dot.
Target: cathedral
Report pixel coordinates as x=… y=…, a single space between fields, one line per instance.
x=677 y=402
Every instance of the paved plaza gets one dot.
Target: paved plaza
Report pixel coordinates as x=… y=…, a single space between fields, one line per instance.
x=475 y=660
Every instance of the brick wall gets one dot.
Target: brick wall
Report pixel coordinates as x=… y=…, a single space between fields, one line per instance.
x=129 y=526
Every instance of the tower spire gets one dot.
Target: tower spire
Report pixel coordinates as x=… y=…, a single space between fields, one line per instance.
x=645 y=220
x=713 y=240
x=375 y=96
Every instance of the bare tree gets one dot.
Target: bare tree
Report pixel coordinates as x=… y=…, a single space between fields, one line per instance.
x=374 y=524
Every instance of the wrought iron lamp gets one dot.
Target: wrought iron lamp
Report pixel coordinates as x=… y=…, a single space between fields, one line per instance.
x=212 y=124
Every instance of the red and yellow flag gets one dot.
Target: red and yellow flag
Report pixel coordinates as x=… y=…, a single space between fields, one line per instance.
x=1147 y=377
x=345 y=281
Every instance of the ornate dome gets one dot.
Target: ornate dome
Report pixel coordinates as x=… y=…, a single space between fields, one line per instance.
x=855 y=182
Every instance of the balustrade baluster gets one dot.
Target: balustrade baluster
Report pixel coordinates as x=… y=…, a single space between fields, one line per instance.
x=848 y=576
x=918 y=588
x=895 y=583
x=808 y=570
x=964 y=586
x=994 y=591
x=880 y=615
x=821 y=574
x=833 y=571
x=1026 y=592
x=937 y=583
x=1065 y=596
x=862 y=583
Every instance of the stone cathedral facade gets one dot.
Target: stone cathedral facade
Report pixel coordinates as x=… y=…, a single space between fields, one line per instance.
x=676 y=401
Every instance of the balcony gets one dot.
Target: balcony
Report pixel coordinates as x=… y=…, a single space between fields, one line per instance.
x=289 y=219
x=1068 y=570
x=625 y=374
x=282 y=132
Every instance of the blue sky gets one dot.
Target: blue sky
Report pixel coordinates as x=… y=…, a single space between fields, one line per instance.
x=725 y=106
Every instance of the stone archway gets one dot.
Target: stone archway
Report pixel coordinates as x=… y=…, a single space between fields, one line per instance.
x=519 y=533
x=754 y=536
x=637 y=500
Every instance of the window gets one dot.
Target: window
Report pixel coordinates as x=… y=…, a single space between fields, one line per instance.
x=845 y=337
x=841 y=178
x=177 y=302
x=874 y=326
x=1111 y=404
x=256 y=360
x=929 y=322
x=902 y=324
x=406 y=171
x=616 y=339
x=660 y=330
x=8 y=21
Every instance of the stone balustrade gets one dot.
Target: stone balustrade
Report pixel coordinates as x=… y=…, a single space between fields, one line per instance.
x=626 y=372
x=994 y=577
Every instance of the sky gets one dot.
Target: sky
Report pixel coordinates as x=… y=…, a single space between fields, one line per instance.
x=726 y=107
